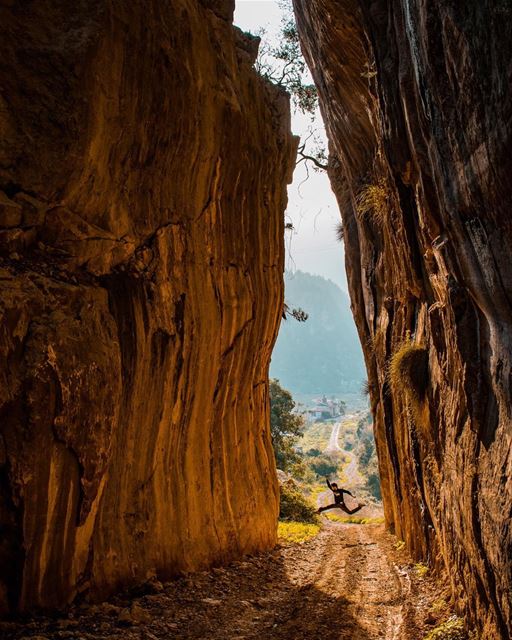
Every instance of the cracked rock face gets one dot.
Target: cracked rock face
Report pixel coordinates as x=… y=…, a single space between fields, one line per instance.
x=143 y=167
x=417 y=102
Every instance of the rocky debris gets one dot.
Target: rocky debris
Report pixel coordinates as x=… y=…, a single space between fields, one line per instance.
x=133 y=615
x=348 y=582
x=143 y=171
x=417 y=101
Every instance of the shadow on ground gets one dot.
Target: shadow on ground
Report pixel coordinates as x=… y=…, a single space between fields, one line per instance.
x=254 y=598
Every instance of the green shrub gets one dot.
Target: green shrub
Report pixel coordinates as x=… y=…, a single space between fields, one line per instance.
x=421 y=569
x=286 y=427
x=452 y=629
x=373 y=483
x=324 y=465
x=294 y=506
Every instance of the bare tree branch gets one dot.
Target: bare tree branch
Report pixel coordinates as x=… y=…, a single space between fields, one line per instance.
x=305 y=156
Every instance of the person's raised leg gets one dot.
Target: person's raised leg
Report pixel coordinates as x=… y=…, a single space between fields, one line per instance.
x=329 y=506
x=351 y=511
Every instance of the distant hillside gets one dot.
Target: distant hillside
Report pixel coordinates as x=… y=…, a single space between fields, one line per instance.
x=323 y=354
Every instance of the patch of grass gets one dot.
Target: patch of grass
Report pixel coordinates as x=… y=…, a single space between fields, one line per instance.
x=439 y=605
x=353 y=519
x=340 y=232
x=451 y=629
x=316 y=436
x=408 y=373
x=296 y=532
x=408 y=369
x=315 y=491
x=399 y=545
x=421 y=569
x=374 y=201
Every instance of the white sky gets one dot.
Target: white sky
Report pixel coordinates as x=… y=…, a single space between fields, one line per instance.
x=312 y=208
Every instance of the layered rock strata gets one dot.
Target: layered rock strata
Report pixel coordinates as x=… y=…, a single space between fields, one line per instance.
x=143 y=171
x=417 y=103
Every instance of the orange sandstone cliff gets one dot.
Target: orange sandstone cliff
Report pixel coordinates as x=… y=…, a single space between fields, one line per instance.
x=143 y=171
x=418 y=107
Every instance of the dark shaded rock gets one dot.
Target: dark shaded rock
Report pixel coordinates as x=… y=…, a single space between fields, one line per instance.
x=143 y=171
x=417 y=102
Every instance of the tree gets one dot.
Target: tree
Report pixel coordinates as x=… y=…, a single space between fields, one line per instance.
x=284 y=65
x=286 y=427
x=324 y=466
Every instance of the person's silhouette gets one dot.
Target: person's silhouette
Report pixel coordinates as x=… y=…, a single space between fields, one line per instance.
x=339 y=502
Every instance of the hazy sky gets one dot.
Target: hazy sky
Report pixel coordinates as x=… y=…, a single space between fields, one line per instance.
x=312 y=207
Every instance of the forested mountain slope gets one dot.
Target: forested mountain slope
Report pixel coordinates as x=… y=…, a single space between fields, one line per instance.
x=323 y=354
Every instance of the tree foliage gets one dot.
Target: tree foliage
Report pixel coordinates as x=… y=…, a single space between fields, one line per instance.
x=324 y=465
x=367 y=457
x=297 y=312
x=293 y=504
x=286 y=427
x=283 y=64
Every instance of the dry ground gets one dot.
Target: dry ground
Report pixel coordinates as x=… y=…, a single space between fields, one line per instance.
x=347 y=583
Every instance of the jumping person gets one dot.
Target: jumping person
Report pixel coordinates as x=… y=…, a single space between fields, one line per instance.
x=339 y=502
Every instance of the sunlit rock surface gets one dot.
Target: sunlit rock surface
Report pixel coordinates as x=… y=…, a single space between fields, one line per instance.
x=143 y=167
x=417 y=102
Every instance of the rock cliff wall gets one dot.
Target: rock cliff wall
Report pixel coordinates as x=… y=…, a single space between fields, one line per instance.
x=417 y=103
x=143 y=170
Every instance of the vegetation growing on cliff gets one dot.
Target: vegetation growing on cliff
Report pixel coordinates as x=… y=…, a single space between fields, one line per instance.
x=283 y=63
x=452 y=629
x=340 y=232
x=374 y=200
x=408 y=373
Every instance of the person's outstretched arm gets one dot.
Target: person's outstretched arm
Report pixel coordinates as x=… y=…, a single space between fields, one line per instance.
x=328 y=483
x=350 y=494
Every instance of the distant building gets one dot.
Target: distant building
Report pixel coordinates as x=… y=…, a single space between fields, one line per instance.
x=326 y=409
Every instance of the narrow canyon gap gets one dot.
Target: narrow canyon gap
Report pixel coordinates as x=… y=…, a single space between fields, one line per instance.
x=417 y=104
x=143 y=172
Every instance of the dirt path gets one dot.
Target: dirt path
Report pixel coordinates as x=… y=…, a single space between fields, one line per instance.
x=333 y=445
x=352 y=473
x=353 y=478
x=347 y=583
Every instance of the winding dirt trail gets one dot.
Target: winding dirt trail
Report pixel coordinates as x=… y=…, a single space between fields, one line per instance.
x=353 y=478
x=347 y=583
x=333 y=445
